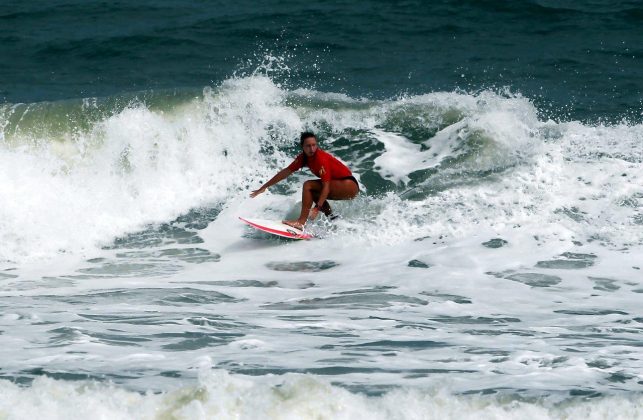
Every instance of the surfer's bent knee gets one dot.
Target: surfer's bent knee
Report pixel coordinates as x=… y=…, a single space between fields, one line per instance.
x=312 y=183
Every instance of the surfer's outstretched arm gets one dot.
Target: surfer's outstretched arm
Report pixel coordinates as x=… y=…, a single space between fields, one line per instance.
x=280 y=176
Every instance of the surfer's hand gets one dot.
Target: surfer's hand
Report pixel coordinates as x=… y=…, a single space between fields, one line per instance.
x=257 y=192
x=313 y=213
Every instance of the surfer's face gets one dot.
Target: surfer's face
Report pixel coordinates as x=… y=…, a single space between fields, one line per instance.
x=309 y=146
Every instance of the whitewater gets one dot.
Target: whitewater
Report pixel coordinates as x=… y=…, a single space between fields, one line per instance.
x=490 y=268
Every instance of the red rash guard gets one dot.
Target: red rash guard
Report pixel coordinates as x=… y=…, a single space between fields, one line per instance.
x=322 y=164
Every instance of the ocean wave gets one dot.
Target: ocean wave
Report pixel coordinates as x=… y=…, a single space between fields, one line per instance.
x=76 y=175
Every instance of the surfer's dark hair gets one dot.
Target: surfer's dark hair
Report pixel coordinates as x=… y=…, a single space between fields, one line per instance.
x=305 y=135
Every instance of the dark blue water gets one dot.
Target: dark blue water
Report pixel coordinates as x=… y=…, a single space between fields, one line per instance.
x=574 y=59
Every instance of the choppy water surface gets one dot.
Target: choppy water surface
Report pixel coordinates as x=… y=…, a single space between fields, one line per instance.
x=491 y=255
x=490 y=267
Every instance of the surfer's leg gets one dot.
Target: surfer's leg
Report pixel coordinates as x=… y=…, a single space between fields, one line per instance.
x=315 y=189
x=340 y=189
x=325 y=208
x=343 y=189
x=309 y=192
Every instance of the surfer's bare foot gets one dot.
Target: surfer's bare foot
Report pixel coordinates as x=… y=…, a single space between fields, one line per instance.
x=294 y=223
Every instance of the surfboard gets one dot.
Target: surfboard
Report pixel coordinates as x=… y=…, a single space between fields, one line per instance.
x=277 y=228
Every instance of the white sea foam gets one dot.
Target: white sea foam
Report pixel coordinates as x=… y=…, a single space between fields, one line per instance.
x=224 y=396
x=508 y=260
x=136 y=167
x=142 y=166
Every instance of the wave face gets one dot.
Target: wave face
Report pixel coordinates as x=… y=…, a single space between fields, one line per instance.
x=78 y=174
x=490 y=266
x=76 y=183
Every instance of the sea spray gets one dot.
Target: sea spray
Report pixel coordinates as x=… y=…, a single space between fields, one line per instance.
x=226 y=396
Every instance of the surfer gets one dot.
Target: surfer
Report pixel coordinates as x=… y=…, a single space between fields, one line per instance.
x=336 y=181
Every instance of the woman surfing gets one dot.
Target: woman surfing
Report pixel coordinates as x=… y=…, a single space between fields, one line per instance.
x=336 y=181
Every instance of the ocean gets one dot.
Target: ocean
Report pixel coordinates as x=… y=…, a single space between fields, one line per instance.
x=489 y=268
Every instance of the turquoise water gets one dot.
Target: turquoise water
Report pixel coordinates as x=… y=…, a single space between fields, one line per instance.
x=490 y=267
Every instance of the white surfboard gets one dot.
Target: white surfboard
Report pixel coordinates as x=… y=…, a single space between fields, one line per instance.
x=277 y=228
